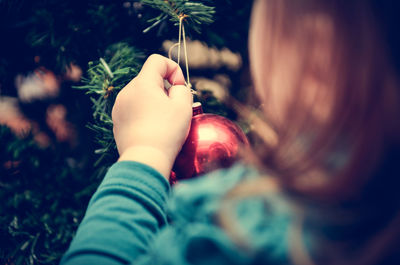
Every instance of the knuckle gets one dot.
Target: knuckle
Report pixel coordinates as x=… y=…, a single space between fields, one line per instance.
x=155 y=57
x=134 y=80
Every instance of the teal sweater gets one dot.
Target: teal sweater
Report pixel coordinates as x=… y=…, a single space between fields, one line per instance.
x=135 y=218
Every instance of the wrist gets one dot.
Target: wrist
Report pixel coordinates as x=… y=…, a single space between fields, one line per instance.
x=150 y=156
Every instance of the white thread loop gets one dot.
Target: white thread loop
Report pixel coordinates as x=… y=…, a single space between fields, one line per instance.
x=182 y=38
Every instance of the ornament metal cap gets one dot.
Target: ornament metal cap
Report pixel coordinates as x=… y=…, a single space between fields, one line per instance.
x=197 y=108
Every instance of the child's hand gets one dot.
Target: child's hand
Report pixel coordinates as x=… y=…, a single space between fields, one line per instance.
x=151 y=124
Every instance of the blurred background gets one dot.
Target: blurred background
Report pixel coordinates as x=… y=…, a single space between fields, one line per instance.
x=51 y=161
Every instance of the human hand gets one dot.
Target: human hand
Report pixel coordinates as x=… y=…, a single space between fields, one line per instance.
x=150 y=123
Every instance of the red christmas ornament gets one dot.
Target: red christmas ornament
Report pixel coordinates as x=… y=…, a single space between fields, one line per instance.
x=213 y=142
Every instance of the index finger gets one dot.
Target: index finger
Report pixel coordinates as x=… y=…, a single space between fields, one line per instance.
x=157 y=68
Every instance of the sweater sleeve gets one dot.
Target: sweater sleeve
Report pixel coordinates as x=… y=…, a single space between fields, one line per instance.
x=123 y=216
x=195 y=235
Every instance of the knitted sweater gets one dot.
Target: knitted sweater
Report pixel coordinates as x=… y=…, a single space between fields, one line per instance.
x=134 y=217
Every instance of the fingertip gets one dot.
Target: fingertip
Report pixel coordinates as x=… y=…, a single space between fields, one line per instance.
x=158 y=67
x=177 y=78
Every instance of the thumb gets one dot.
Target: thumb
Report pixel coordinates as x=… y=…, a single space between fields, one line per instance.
x=180 y=93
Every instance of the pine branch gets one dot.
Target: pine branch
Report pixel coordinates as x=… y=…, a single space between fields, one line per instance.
x=194 y=13
x=38 y=221
x=105 y=78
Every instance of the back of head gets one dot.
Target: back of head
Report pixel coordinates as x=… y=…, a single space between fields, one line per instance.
x=329 y=82
x=328 y=74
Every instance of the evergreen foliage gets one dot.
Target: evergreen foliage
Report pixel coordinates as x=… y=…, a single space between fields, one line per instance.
x=195 y=13
x=45 y=191
x=39 y=216
x=105 y=78
x=57 y=32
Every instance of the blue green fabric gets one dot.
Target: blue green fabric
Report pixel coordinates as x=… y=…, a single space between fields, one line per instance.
x=135 y=218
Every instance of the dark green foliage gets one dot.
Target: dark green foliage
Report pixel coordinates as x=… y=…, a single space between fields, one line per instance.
x=210 y=104
x=194 y=12
x=39 y=213
x=230 y=27
x=60 y=32
x=105 y=78
x=44 y=192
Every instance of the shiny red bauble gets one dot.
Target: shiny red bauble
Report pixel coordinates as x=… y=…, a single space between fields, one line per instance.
x=213 y=142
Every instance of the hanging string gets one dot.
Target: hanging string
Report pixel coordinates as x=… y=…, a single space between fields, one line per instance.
x=186 y=59
x=182 y=38
x=170 y=50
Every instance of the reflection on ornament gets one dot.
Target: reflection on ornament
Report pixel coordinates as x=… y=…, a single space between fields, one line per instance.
x=213 y=142
x=207 y=134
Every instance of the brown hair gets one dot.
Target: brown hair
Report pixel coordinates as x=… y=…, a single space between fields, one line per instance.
x=329 y=91
x=327 y=78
